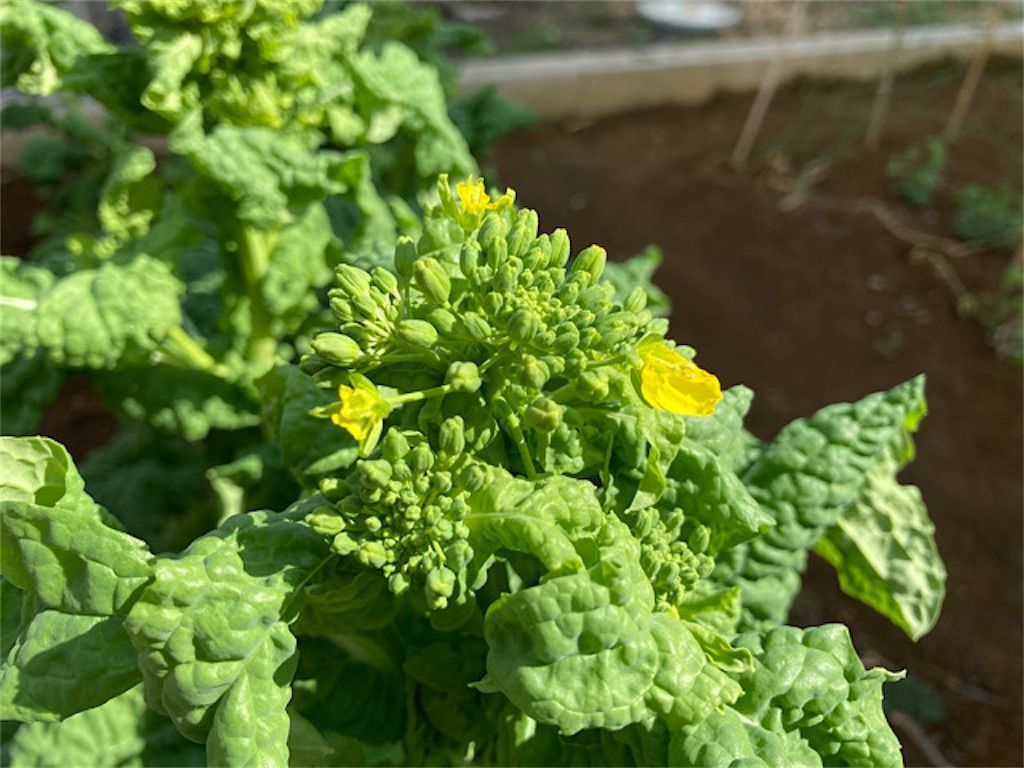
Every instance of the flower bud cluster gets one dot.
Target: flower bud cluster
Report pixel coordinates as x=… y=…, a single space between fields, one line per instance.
x=673 y=550
x=403 y=514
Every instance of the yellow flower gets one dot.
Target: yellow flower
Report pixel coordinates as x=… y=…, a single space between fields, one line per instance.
x=473 y=197
x=672 y=383
x=361 y=411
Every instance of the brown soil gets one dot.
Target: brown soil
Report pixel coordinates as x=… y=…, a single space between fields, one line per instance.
x=821 y=303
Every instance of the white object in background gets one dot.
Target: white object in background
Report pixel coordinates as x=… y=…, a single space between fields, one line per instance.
x=690 y=14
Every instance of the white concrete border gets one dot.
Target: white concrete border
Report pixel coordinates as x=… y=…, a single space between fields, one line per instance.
x=590 y=83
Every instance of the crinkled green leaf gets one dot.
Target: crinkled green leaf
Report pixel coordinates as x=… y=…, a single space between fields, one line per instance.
x=807 y=701
x=722 y=432
x=79 y=577
x=94 y=317
x=269 y=175
x=395 y=79
x=541 y=518
x=22 y=288
x=357 y=602
x=212 y=634
x=120 y=732
x=42 y=45
x=182 y=401
x=584 y=649
x=807 y=478
x=298 y=266
x=883 y=549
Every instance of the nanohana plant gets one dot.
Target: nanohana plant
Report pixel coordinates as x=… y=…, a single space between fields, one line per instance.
x=532 y=531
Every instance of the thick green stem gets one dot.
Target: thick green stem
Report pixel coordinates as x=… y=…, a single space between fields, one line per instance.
x=184 y=349
x=255 y=250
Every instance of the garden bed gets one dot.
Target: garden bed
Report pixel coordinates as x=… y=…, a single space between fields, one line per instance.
x=785 y=278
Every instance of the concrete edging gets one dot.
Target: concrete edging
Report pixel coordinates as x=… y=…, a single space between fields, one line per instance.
x=585 y=84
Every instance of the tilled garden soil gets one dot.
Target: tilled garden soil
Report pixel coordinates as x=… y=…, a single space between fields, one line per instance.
x=806 y=297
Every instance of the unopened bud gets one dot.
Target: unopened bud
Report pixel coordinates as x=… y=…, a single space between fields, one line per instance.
x=543 y=414
x=337 y=348
x=419 y=333
x=453 y=436
x=394 y=446
x=463 y=376
x=442 y=319
x=405 y=256
x=352 y=280
x=476 y=326
x=590 y=263
x=432 y=280
x=636 y=301
x=384 y=281
x=524 y=325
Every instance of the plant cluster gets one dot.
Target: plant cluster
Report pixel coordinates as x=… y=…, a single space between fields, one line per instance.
x=474 y=506
x=917 y=173
x=534 y=531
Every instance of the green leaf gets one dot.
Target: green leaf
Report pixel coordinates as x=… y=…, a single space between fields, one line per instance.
x=42 y=45
x=542 y=518
x=807 y=701
x=182 y=401
x=722 y=432
x=79 y=577
x=120 y=732
x=883 y=549
x=269 y=175
x=20 y=293
x=806 y=479
x=95 y=317
x=584 y=649
x=298 y=266
x=212 y=634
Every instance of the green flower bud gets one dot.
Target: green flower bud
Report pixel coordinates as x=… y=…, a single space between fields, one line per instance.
x=326 y=522
x=472 y=478
x=537 y=256
x=636 y=301
x=420 y=458
x=536 y=372
x=492 y=231
x=334 y=489
x=440 y=586
x=376 y=473
x=336 y=348
x=344 y=544
x=352 y=280
x=394 y=447
x=432 y=280
x=419 y=333
x=442 y=319
x=506 y=278
x=469 y=258
x=493 y=302
x=373 y=554
x=463 y=376
x=405 y=256
x=524 y=325
x=558 y=256
x=476 y=326
x=543 y=414
x=341 y=308
x=397 y=584
x=523 y=232
x=590 y=263
x=452 y=440
x=567 y=338
x=592 y=385
x=384 y=281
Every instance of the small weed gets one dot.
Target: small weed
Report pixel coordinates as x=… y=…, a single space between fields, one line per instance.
x=917 y=173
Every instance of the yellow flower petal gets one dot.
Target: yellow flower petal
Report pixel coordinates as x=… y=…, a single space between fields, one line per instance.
x=473 y=197
x=672 y=383
x=360 y=411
